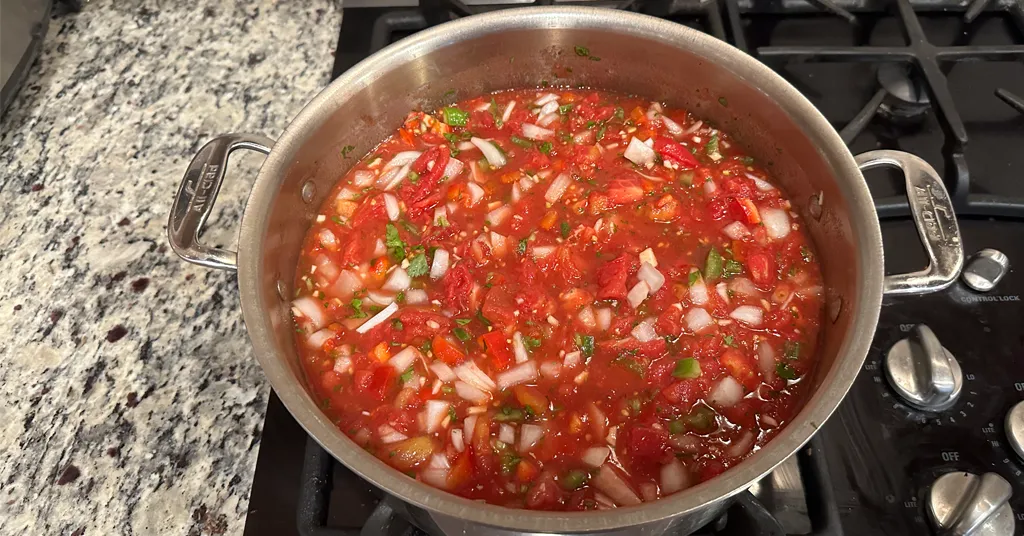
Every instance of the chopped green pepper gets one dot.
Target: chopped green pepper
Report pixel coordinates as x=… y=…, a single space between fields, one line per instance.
x=521 y=142
x=455 y=117
x=687 y=368
x=462 y=334
x=546 y=147
x=713 y=265
x=585 y=343
x=574 y=479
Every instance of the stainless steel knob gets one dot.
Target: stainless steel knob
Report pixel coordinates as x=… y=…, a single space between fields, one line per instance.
x=985 y=268
x=965 y=504
x=1015 y=428
x=922 y=372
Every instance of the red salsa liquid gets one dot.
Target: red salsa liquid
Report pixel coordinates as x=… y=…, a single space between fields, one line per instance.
x=558 y=299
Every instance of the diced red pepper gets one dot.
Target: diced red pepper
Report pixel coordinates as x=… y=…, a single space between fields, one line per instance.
x=674 y=152
x=744 y=210
x=447 y=350
x=497 y=348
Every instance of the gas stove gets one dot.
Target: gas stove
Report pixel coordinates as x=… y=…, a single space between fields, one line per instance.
x=930 y=439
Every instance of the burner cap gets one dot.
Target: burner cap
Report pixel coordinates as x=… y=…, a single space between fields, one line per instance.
x=907 y=98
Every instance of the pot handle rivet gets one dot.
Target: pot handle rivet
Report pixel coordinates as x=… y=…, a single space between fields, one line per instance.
x=194 y=201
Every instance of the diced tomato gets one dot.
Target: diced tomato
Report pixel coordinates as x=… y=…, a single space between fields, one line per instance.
x=664 y=209
x=740 y=366
x=718 y=208
x=380 y=352
x=447 y=350
x=483 y=457
x=461 y=473
x=599 y=203
x=379 y=267
x=622 y=191
x=430 y=166
x=611 y=278
x=742 y=414
x=544 y=492
x=375 y=380
x=575 y=298
x=744 y=210
x=710 y=468
x=761 y=268
x=497 y=347
x=526 y=471
x=684 y=393
x=457 y=284
x=330 y=381
x=647 y=441
x=371 y=210
x=674 y=152
x=419 y=323
x=532 y=398
x=499 y=307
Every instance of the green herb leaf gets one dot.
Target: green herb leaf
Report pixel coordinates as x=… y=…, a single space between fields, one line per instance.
x=573 y=480
x=418 y=266
x=407 y=375
x=521 y=141
x=462 y=334
x=455 y=117
x=713 y=265
x=806 y=254
x=462 y=321
x=346 y=150
x=565 y=229
x=483 y=320
x=521 y=247
x=620 y=114
x=400 y=297
x=510 y=414
x=397 y=325
x=601 y=131
x=546 y=147
x=711 y=148
x=590 y=124
x=426 y=346
x=564 y=109
x=531 y=342
x=732 y=268
x=723 y=101
x=396 y=247
x=582 y=51
x=585 y=343
x=785 y=371
x=357 y=306
x=687 y=368
x=728 y=340
x=631 y=364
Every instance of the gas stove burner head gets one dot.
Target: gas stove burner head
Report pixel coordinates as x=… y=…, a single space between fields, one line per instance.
x=907 y=99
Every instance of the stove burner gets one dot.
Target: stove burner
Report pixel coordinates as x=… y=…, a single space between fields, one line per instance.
x=906 y=101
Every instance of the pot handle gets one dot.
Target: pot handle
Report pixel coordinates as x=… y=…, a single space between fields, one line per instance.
x=933 y=215
x=194 y=201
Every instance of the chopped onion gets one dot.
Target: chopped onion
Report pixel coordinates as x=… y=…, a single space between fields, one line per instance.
x=697 y=320
x=379 y=249
x=416 y=296
x=647 y=256
x=499 y=215
x=529 y=436
x=467 y=427
x=392 y=177
x=391 y=205
x=521 y=373
x=390 y=435
x=710 y=187
x=381 y=297
x=545 y=98
x=572 y=359
x=699 y=292
x=439 y=266
x=550 y=369
x=404 y=359
x=346 y=285
x=318 y=338
x=693 y=128
x=584 y=138
x=750 y=315
x=508 y=111
x=639 y=153
x=638 y=294
x=673 y=128
x=476 y=193
x=534 y=132
x=760 y=183
x=586 y=316
x=362 y=178
x=310 y=308
x=595 y=456
x=726 y=393
x=453 y=168
x=499 y=244
x=343 y=365
x=766 y=360
x=517 y=193
x=520 y=348
x=398 y=281
x=649 y=491
x=740 y=445
x=736 y=231
x=644 y=331
x=611 y=484
x=457 y=441
x=744 y=286
x=654 y=111
x=470 y=373
x=378 y=318
x=604 y=318
x=547 y=119
x=527 y=182
x=470 y=393
x=549 y=107
x=612 y=436
x=434 y=412
x=437 y=477
x=650 y=275
x=776 y=222
x=507 y=434
x=723 y=291
x=465 y=146
x=443 y=371
x=327 y=239
x=768 y=420
x=557 y=188
x=674 y=477
x=401 y=159
x=491 y=152
x=540 y=252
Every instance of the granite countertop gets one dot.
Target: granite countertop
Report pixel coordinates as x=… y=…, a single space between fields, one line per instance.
x=130 y=402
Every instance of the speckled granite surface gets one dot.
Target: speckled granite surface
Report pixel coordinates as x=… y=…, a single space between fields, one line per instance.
x=129 y=399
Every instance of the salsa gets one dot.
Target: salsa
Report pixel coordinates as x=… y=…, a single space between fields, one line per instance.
x=558 y=299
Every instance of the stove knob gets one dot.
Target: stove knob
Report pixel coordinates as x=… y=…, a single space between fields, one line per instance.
x=1015 y=428
x=922 y=372
x=965 y=504
x=985 y=268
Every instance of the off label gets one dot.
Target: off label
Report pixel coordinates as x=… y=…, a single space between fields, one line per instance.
x=951 y=456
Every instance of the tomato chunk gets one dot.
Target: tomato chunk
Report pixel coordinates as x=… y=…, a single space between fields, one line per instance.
x=498 y=349
x=674 y=152
x=447 y=350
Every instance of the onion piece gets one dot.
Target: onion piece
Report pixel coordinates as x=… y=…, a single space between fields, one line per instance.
x=457 y=441
x=499 y=244
x=776 y=222
x=540 y=252
x=697 y=320
x=587 y=318
x=310 y=308
x=611 y=484
x=398 y=281
x=612 y=437
x=740 y=445
x=639 y=153
x=585 y=137
x=675 y=129
x=699 y=292
x=595 y=456
x=644 y=331
x=549 y=107
x=650 y=275
x=648 y=256
x=327 y=239
x=519 y=347
x=392 y=177
x=391 y=206
x=750 y=315
x=572 y=359
x=760 y=183
x=547 y=119
x=404 y=358
x=491 y=152
x=416 y=296
x=649 y=491
x=710 y=187
x=468 y=424
x=766 y=360
x=517 y=193
x=521 y=373
x=508 y=111
x=529 y=436
x=551 y=369
x=723 y=291
x=736 y=231
x=476 y=193
x=674 y=477
x=604 y=318
x=402 y=159
x=346 y=285
x=726 y=393
x=381 y=297
x=434 y=413
x=557 y=188
x=435 y=476
x=470 y=393
x=465 y=146
x=545 y=98
x=317 y=339
x=440 y=264
x=379 y=249
x=378 y=318
x=638 y=294
x=443 y=371
x=507 y=434
x=470 y=373
x=744 y=286
x=499 y=215
x=390 y=435
x=363 y=178
x=453 y=168
x=534 y=132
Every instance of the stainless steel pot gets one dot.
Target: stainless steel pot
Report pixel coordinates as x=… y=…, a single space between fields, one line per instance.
x=521 y=48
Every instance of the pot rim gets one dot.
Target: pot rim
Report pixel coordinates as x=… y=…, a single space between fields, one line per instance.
x=818 y=407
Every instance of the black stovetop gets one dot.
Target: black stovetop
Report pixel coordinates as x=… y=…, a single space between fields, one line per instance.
x=869 y=469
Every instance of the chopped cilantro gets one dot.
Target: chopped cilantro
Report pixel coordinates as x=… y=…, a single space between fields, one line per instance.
x=455 y=117
x=418 y=266
x=346 y=150
x=531 y=342
x=426 y=346
x=631 y=364
x=791 y=350
x=410 y=227
x=806 y=254
x=400 y=297
x=441 y=222
x=785 y=371
x=407 y=375
x=565 y=229
x=601 y=131
x=585 y=343
x=593 y=58
x=732 y=268
x=728 y=340
x=462 y=321
x=480 y=316
x=357 y=306
x=711 y=148
x=397 y=325
x=687 y=368
x=509 y=462
x=564 y=109
x=521 y=141
x=506 y=414
x=462 y=334
x=590 y=124
x=582 y=51
x=396 y=247
x=620 y=114
x=521 y=247
x=713 y=265
x=545 y=147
